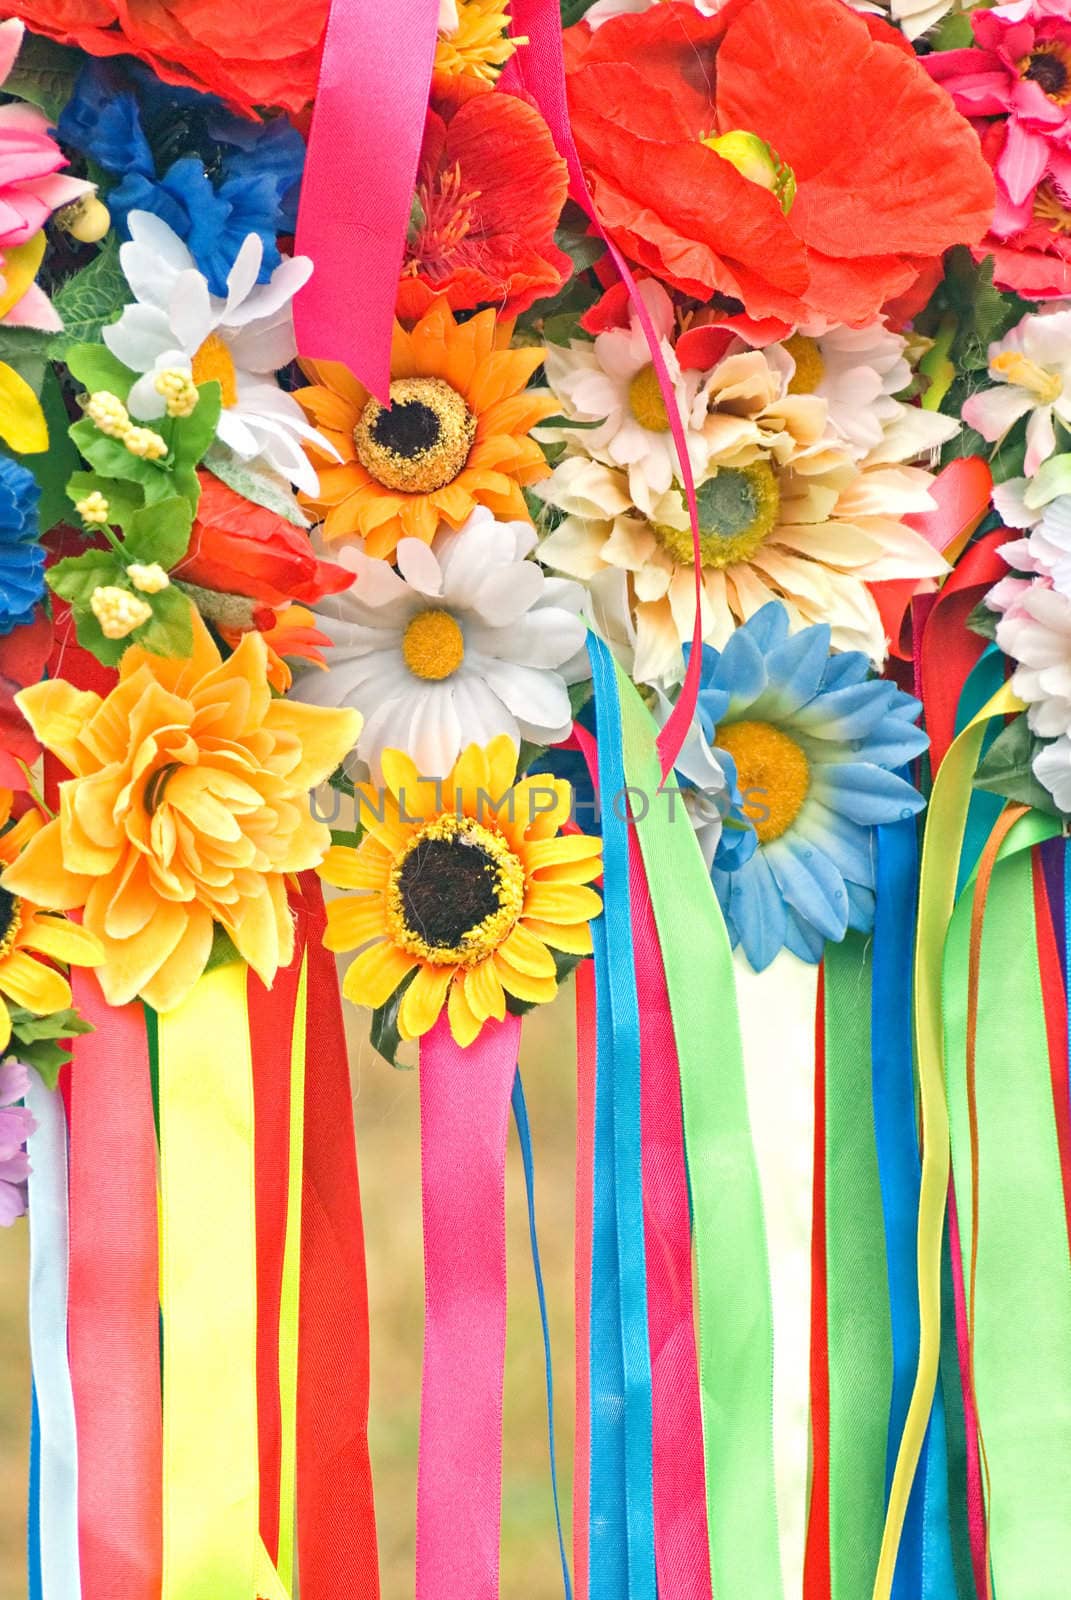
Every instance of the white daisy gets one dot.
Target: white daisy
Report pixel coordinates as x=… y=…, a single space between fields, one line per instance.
x=1031 y=367
x=1035 y=631
x=613 y=383
x=466 y=641
x=242 y=341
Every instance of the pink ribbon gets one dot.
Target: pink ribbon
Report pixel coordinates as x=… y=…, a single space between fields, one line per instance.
x=360 y=174
x=464 y=1118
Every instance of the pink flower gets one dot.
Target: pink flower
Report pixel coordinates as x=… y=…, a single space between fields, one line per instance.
x=32 y=187
x=16 y=1126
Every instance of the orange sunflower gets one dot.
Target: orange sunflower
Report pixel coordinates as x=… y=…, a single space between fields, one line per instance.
x=466 y=889
x=455 y=435
x=27 y=933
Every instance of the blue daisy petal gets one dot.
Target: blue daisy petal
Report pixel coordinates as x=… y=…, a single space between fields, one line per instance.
x=753 y=908
x=22 y=560
x=810 y=884
x=866 y=794
x=795 y=670
x=803 y=940
x=861 y=903
x=848 y=845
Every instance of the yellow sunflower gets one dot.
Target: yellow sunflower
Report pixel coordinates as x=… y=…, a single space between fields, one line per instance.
x=465 y=888
x=455 y=435
x=27 y=933
x=477 y=45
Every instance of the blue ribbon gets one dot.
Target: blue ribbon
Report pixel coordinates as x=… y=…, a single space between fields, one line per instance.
x=622 y=1559
x=524 y=1135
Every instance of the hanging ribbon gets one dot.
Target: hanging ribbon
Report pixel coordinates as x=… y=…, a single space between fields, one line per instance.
x=360 y=173
x=735 y=1322
x=816 y=1572
x=114 y=1316
x=56 y=1455
x=464 y=1114
x=585 y=1163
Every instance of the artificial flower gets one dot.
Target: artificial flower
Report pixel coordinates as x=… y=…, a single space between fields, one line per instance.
x=176 y=325
x=490 y=189
x=466 y=641
x=868 y=201
x=16 y=1125
x=1034 y=630
x=247 y=550
x=290 y=635
x=473 y=39
x=32 y=936
x=815 y=742
x=24 y=653
x=244 y=178
x=188 y=806
x=613 y=382
x=464 y=888
x=32 y=187
x=22 y=560
x=455 y=436
x=1031 y=370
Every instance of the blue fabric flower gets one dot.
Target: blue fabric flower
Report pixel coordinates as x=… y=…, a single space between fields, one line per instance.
x=814 y=739
x=22 y=560
x=244 y=177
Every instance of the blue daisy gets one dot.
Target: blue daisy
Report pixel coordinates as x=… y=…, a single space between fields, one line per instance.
x=814 y=739
x=22 y=560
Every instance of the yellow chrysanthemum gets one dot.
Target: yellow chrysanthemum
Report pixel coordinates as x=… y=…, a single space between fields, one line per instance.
x=188 y=807
x=28 y=933
x=479 y=46
x=465 y=887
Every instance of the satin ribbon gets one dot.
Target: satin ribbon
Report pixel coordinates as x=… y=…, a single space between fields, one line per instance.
x=33 y=1521
x=360 y=173
x=208 y=1293
x=539 y=70
x=114 y=1319
x=1021 y=1311
x=735 y=1320
x=816 y=1571
x=585 y=1163
x=464 y=1115
x=57 y=1452
x=622 y=1444
x=290 y=1288
x=337 y=1553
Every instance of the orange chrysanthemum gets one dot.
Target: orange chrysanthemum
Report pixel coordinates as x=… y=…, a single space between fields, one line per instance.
x=188 y=806
x=28 y=933
x=466 y=889
x=455 y=437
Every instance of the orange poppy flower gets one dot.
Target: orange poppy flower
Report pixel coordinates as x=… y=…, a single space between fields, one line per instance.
x=875 y=174
x=490 y=187
x=455 y=437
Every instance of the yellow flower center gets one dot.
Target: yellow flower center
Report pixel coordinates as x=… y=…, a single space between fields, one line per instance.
x=433 y=646
x=1049 y=66
x=646 y=402
x=772 y=772
x=738 y=510
x=214 y=363
x=1027 y=374
x=1050 y=209
x=10 y=922
x=421 y=442
x=810 y=368
x=455 y=892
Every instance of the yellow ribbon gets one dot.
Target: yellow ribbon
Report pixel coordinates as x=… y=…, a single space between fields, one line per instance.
x=289 y=1306
x=946 y=821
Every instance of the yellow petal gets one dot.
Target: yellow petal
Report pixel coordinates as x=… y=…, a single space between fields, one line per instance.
x=40 y=875
x=5 y=1027
x=353 y=921
x=574 y=938
x=62 y=940
x=57 y=713
x=31 y=984
x=527 y=953
x=423 y=1000
x=419 y=799
x=566 y=847
x=470 y=779
x=375 y=974
x=502 y=762
x=561 y=902
x=378 y=813
x=22 y=422
x=464 y=1025
x=521 y=985
x=21 y=264
x=340 y=866
x=176 y=976
x=484 y=994
x=325 y=736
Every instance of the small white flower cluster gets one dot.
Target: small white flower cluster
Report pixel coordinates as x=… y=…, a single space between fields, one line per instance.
x=108 y=413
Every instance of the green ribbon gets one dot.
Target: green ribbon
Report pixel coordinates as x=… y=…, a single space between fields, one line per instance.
x=860 y=1335
x=735 y=1317
x=1023 y=1284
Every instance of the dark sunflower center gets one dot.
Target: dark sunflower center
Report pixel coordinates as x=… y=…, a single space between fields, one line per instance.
x=448 y=887
x=9 y=920
x=421 y=441
x=1048 y=71
x=408 y=429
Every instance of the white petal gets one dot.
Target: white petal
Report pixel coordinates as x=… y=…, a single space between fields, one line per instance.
x=141 y=335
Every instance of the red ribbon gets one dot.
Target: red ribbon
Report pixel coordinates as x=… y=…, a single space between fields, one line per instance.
x=337 y=1554
x=464 y=1118
x=114 y=1323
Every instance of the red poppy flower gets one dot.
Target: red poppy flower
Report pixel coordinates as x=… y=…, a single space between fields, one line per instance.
x=241 y=548
x=887 y=173
x=259 y=53
x=491 y=187
x=23 y=655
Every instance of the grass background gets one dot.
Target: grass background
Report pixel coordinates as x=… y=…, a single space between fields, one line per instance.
x=388 y=1135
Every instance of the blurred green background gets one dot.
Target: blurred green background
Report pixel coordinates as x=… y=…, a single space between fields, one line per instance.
x=388 y=1134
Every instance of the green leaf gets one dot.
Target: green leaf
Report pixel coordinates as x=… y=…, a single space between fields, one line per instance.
x=124 y=499
x=582 y=249
x=47 y=1059
x=76 y=577
x=169 y=631
x=1007 y=768
x=91 y=636
x=44 y=75
x=112 y=459
x=191 y=437
x=573 y=10
x=254 y=482
x=983 y=621
x=223 y=952
x=383 y=1034
x=28 y=1027
x=159 y=532
x=91 y=299
x=24 y=344
x=1053 y=477
x=96 y=368
x=51 y=467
